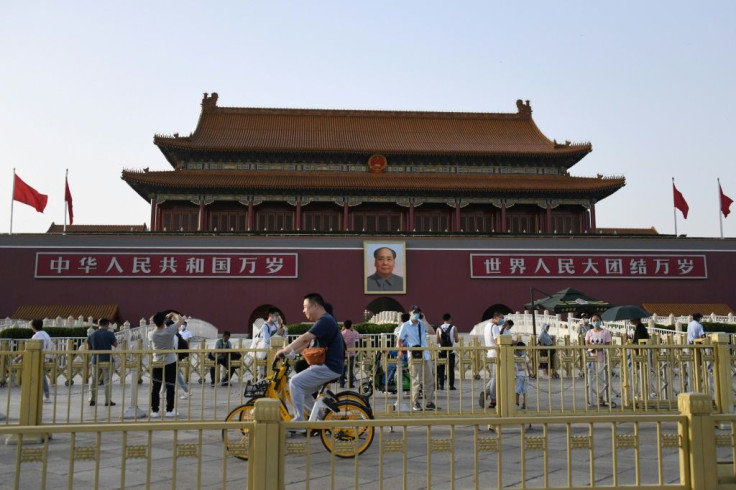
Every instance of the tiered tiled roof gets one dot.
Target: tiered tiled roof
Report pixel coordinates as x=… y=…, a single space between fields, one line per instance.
x=29 y=312
x=366 y=132
x=54 y=228
x=488 y=185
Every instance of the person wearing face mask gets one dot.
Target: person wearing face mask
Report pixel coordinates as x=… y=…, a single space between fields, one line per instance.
x=597 y=372
x=584 y=326
x=272 y=326
x=414 y=334
x=490 y=334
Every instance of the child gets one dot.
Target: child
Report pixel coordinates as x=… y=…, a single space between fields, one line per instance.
x=521 y=366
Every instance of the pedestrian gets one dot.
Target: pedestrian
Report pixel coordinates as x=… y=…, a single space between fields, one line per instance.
x=446 y=338
x=584 y=326
x=101 y=339
x=162 y=339
x=224 y=359
x=522 y=371
x=597 y=368
x=40 y=334
x=695 y=329
x=546 y=340
x=324 y=333
x=185 y=333
x=182 y=344
x=351 y=337
x=413 y=334
x=490 y=335
x=640 y=331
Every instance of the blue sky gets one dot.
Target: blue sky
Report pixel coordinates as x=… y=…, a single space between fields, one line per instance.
x=86 y=86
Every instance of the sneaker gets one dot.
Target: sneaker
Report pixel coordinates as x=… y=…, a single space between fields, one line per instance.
x=417 y=408
x=172 y=414
x=47 y=400
x=432 y=406
x=184 y=396
x=482 y=399
x=154 y=413
x=452 y=388
x=110 y=404
x=492 y=404
x=91 y=403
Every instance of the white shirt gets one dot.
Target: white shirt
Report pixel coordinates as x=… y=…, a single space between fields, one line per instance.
x=42 y=335
x=186 y=334
x=491 y=334
x=694 y=331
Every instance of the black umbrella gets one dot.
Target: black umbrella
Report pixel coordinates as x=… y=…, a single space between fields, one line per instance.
x=626 y=312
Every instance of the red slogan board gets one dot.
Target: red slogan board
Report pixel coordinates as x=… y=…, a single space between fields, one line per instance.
x=166 y=265
x=590 y=266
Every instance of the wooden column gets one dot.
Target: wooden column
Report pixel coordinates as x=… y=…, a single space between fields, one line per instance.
x=503 y=217
x=153 y=214
x=411 y=216
x=298 y=214
x=202 y=224
x=250 y=224
x=345 y=217
x=592 y=216
x=549 y=217
x=457 y=216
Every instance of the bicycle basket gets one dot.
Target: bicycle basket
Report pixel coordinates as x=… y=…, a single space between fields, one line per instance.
x=256 y=389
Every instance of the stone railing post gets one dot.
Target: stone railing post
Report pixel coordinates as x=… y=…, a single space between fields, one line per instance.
x=698 y=462
x=722 y=373
x=266 y=465
x=505 y=377
x=277 y=343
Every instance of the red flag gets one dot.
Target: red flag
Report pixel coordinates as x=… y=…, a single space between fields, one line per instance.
x=68 y=200
x=725 y=202
x=26 y=194
x=680 y=202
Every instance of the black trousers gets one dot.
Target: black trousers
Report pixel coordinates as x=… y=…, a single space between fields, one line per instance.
x=224 y=364
x=168 y=374
x=441 y=369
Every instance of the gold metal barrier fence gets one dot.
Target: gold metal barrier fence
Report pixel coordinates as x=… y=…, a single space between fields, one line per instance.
x=626 y=379
x=670 y=451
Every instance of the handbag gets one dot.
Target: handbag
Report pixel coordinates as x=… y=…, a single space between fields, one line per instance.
x=317 y=355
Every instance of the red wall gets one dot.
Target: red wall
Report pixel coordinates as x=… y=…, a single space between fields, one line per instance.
x=438 y=277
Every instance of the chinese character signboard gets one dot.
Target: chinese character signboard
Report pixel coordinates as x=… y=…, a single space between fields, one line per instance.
x=590 y=266
x=166 y=265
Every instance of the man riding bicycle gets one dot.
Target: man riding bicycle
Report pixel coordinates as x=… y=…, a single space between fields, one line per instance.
x=324 y=333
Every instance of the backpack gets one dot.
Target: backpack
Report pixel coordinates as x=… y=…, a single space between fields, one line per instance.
x=182 y=345
x=445 y=337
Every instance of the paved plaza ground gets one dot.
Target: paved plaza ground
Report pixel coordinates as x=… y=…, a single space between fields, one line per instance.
x=473 y=458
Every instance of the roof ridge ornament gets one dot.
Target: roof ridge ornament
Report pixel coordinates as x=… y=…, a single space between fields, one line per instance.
x=524 y=108
x=209 y=103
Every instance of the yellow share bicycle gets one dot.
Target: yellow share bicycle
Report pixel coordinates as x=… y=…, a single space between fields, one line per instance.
x=345 y=441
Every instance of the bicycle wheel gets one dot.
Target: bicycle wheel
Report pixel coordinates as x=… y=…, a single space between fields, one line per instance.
x=366 y=387
x=353 y=438
x=237 y=440
x=356 y=397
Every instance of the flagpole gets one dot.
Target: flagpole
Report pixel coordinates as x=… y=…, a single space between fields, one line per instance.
x=12 y=199
x=674 y=209
x=66 y=178
x=720 y=211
